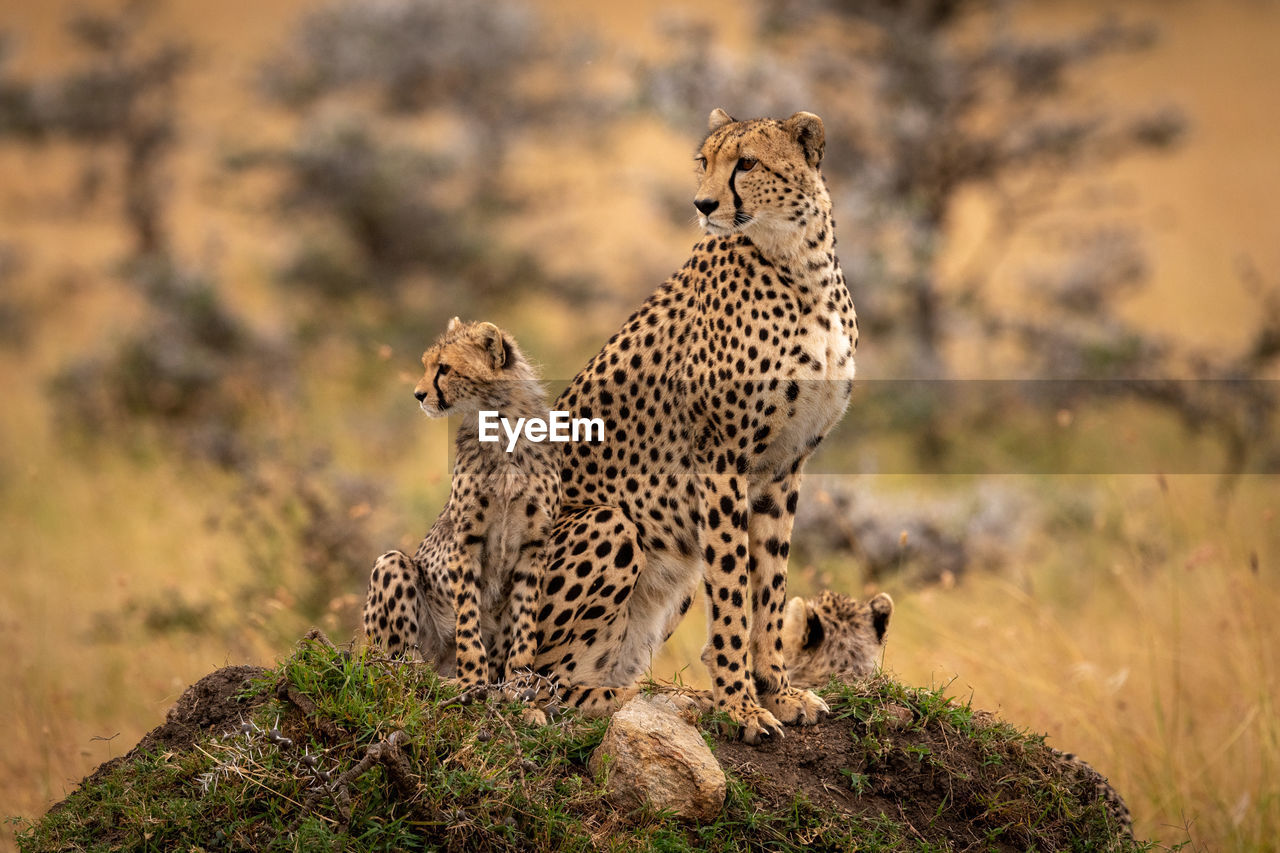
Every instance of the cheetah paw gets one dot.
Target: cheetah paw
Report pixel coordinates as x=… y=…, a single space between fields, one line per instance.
x=796 y=707
x=755 y=724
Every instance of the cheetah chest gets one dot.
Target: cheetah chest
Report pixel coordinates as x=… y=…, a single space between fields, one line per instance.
x=823 y=380
x=507 y=530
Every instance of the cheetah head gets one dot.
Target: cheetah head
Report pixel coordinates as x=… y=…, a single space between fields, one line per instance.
x=468 y=368
x=833 y=634
x=760 y=177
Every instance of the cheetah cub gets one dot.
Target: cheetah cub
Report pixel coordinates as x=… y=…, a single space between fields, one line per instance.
x=469 y=593
x=832 y=634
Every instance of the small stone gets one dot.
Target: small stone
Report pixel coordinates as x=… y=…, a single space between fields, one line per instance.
x=900 y=716
x=651 y=754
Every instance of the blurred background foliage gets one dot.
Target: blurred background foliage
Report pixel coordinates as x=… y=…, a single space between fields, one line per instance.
x=228 y=232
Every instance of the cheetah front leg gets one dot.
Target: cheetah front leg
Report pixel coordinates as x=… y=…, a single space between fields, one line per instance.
x=519 y=617
x=463 y=570
x=727 y=654
x=773 y=513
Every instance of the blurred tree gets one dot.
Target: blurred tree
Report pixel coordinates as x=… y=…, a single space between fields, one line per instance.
x=121 y=100
x=384 y=203
x=191 y=367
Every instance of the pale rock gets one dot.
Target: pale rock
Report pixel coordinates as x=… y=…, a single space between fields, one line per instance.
x=650 y=753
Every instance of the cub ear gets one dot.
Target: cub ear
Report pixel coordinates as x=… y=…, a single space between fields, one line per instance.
x=881 y=610
x=814 y=630
x=719 y=118
x=453 y=324
x=494 y=345
x=807 y=129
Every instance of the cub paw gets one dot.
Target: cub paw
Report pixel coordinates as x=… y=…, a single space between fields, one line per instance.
x=534 y=717
x=796 y=707
x=693 y=701
x=469 y=690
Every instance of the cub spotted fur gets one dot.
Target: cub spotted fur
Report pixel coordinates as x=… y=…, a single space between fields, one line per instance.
x=834 y=635
x=469 y=593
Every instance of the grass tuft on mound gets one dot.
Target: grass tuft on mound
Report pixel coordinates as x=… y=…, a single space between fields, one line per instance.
x=336 y=750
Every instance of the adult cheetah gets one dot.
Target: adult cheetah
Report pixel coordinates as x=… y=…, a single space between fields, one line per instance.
x=714 y=394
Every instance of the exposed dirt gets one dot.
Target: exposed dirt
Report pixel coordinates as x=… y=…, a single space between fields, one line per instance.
x=830 y=765
x=967 y=790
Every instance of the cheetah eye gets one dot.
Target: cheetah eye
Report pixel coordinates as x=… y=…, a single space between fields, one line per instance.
x=702 y=163
x=746 y=164
x=443 y=369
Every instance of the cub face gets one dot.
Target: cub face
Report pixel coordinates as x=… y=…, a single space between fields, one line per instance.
x=758 y=175
x=463 y=369
x=833 y=634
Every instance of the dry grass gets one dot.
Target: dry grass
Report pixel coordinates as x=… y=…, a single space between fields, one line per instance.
x=1142 y=641
x=1146 y=644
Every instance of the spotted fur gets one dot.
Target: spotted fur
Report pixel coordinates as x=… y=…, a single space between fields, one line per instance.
x=466 y=599
x=714 y=393
x=833 y=635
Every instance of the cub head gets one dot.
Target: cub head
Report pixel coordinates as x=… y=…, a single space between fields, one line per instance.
x=469 y=368
x=760 y=175
x=833 y=634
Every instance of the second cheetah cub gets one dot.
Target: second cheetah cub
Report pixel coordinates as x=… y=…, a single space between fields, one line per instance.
x=470 y=592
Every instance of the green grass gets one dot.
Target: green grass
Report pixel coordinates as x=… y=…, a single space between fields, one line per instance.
x=478 y=778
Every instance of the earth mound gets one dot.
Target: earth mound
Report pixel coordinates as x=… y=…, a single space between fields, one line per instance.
x=340 y=750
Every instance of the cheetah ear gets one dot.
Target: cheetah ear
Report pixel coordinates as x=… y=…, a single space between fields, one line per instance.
x=719 y=118
x=802 y=627
x=814 y=631
x=494 y=344
x=807 y=129
x=453 y=324
x=881 y=610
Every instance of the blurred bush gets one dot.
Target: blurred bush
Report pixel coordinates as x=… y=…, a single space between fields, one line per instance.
x=310 y=528
x=380 y=200
x=121 y=101
x=383 y=206
x=15 y=313
x=191 y=370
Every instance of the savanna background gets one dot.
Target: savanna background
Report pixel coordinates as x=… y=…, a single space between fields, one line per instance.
x=228 y=229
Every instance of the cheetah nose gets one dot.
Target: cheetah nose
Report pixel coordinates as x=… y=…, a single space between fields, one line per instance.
x=419 y=395
x=705 y=205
